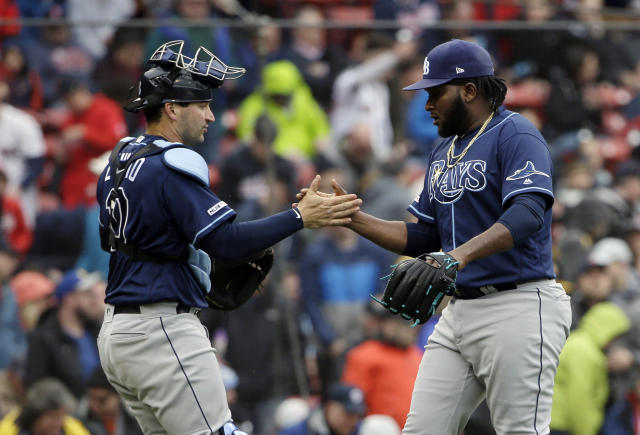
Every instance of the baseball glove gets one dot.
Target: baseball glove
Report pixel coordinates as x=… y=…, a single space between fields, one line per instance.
x=233 y=283
x=415 y=287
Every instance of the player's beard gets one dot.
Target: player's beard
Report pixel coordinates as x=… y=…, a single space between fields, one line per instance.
x=456 y=119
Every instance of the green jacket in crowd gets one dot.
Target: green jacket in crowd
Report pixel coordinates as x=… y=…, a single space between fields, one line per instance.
x=301 y=122
x=581 y=385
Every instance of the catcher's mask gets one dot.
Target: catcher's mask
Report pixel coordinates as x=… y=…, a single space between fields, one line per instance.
x=173 y=77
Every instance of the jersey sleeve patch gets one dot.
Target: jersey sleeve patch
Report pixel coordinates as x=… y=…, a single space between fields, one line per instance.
x=216 y=207
x=187 y=162
x=525 y=173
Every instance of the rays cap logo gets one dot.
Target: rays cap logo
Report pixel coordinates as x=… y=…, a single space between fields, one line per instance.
x=452 y=60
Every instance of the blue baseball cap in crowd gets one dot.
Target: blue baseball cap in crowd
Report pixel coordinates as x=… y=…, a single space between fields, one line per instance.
x=452 y=60
x=75 y=280
x=349 y=396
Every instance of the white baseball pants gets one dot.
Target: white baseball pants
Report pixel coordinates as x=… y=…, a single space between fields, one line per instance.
x=164 y=367
x=505 y=347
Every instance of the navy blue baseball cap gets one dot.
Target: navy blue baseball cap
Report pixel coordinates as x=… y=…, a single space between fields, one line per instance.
x=349 y=396
x=452 y=60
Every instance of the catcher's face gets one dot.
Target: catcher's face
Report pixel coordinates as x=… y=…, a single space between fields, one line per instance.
x=446 y=107
x=192 y=121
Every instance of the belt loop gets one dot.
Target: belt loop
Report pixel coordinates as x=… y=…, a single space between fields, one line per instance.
x=108 y=313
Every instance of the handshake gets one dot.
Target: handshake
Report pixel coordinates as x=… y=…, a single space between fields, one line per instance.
x=319 y=209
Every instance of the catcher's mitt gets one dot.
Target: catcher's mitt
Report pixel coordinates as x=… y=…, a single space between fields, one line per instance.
x=233 y=283
x=415 y=287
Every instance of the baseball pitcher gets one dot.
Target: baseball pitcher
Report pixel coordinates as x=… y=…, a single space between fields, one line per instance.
x=486 y=203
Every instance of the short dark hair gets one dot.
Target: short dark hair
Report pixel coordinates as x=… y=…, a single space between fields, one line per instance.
x=154 y=113
x=99 y=380
x=493 y=88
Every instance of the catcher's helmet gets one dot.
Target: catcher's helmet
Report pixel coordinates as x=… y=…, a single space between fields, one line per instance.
x=172 y=77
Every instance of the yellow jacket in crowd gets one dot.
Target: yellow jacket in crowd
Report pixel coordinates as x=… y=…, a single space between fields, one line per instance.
x=70 y=425
x=300 y=120
x=582 y=385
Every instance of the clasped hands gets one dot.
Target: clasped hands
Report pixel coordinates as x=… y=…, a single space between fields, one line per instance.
x=320 y=209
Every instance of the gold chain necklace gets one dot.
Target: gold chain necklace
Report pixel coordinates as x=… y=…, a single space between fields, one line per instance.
x=452 y=159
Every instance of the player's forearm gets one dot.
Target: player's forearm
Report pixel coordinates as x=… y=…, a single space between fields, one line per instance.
x=234 y=240
x=492 y=241
x=391 y=235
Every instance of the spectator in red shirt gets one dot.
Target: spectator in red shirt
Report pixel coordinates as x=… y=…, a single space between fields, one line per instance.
x=9 y=10
x=385 y=367
x=94 y=125
x=12 y=222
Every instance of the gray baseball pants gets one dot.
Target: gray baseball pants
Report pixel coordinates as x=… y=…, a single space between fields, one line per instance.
x=503 y=346
x=164 y=367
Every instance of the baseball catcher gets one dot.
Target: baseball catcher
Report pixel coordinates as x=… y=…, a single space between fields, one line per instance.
x=416 y=286
x=165 y=231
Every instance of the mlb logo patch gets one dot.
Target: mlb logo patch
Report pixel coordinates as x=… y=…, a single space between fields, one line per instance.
x=216 y=208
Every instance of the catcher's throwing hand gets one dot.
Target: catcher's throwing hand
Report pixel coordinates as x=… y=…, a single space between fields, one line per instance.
x=416 y=286
x=318 y=209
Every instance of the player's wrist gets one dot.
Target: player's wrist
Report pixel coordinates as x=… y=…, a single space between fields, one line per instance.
x=303 y=212
x=358 y=218
x=297 y=216
x=459 y=257
x=308 y=218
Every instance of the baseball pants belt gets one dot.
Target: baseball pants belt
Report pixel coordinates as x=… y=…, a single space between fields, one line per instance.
x=154 y=308
x=476 y=292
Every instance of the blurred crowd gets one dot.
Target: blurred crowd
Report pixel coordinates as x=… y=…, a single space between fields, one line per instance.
x=309 y=354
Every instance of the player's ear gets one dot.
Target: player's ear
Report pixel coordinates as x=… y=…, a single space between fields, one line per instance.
x=169 y=110
x=469 y=92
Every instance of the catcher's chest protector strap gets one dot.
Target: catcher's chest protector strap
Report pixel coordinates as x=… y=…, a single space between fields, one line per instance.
x=119 y=171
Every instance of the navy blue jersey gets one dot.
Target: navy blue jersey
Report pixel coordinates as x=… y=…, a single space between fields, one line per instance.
x=509 y=158
x=163 y=209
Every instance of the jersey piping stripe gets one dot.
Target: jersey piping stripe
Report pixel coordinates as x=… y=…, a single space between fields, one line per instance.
x=527 y=189
x=185 y=375
x=195 y=239
x=497 y=124
x=426 y=216
x=535 y=416
x=453 y=226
